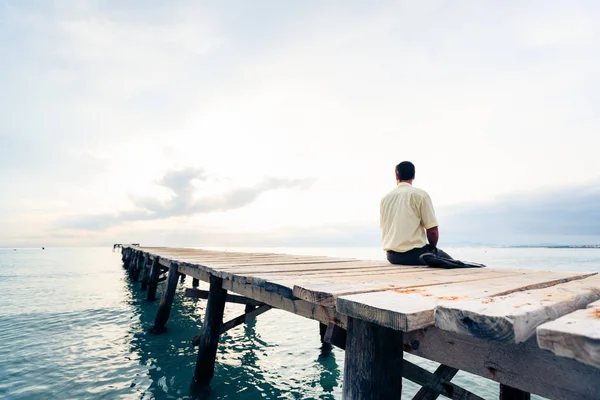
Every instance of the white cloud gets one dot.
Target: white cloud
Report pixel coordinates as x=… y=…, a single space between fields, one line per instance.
x=103 y=98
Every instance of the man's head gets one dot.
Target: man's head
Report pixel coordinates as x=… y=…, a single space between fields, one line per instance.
x=405 y=172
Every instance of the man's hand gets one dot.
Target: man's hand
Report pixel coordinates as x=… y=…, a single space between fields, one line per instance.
x=433 y=235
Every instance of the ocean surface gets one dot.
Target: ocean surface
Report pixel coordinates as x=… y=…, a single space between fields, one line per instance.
x=72 y=326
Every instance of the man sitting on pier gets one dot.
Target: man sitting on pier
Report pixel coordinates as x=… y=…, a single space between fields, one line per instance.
x=407 y=218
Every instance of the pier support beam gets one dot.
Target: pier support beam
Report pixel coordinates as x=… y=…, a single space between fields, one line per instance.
x=510 y=393
x=374 y=359
x=166 y=301
x=145 y=272
x=139 y=263
x=209 y=335
x=195 y=282
x=153 y=279
x=132 y=264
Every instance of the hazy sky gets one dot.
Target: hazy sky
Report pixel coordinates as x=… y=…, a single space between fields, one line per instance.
x=272 y=122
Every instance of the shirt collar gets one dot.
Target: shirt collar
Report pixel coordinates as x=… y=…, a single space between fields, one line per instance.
x=404 y=184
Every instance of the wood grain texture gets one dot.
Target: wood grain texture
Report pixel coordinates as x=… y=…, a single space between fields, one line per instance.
x=575 y=335
x=513 y=318
x=523 y=366
x=325 y=291
x=373 y=367
x=414 y=308
x=296 y=306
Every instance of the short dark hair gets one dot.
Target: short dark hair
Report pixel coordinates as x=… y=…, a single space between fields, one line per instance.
x=405 y=171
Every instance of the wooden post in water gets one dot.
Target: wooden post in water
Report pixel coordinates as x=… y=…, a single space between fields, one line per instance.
x=145 y=272
x=153 y=279
x=126 y=258
x=195 y=282
x=166 y=301
x=510 y=393
x=209 y=335
x=132 y=264
x=374 y=358
x=139 y=264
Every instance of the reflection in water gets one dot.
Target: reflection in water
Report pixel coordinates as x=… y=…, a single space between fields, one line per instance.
x=248 y=367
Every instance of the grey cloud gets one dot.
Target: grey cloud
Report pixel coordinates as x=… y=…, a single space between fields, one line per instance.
x=521 y=218
x=183 y=202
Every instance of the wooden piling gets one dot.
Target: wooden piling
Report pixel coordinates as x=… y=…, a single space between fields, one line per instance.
x=132 y=264
x=166 y=301
x=139 y=263
x=153 y=279
x=195 y=282
x=374 y=359
x=145 y=272
x=510 y=393
x=322 y=331
x=209 y=335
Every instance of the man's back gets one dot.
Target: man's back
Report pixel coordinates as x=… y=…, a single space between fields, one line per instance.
x=405 y=214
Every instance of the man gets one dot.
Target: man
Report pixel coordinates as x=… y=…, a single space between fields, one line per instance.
x=407 y=218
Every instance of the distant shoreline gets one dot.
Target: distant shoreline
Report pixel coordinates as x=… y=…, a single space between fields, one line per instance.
x=591 y=246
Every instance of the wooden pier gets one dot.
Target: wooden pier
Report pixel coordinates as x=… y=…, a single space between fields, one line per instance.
x=531 y=331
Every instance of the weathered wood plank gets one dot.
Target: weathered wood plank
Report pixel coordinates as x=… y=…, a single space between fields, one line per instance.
x=373 y=365
x=513 y=318
x=325 y=291
x=295 y=306
x=575 y=335
x=231 y=298
x=414 y=308
x=524 y=366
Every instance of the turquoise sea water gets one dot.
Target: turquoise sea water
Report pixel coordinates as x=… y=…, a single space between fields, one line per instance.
x=72 y=326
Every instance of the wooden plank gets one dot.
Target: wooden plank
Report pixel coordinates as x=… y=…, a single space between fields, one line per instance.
x=513 y=318
x=373 y=364
x=523 y=366
x=299 y=307
x=575 y=335
x=414 y=308
x=308 y=271
x=325 y=292
x=444 y=375
x=284 y=285
x=231 y=298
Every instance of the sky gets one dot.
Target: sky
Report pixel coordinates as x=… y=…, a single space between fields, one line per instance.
x=270 y=123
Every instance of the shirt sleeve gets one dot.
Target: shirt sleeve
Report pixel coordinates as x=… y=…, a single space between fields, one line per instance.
x=381 y=214
x=427 y=213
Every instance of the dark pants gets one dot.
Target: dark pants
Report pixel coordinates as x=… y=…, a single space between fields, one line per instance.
x=411 y=257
